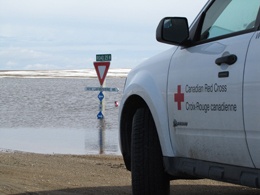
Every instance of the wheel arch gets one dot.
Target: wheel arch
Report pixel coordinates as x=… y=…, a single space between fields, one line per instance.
x=146 y=85
x=132 y=104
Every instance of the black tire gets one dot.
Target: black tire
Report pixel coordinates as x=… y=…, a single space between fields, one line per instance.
x=148 y=175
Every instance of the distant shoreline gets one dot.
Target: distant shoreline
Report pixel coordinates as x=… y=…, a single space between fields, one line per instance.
x=82 y=73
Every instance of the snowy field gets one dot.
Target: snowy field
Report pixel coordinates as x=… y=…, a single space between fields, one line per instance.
x=83 y=73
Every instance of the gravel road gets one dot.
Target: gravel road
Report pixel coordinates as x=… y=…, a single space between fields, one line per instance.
x=27 y=173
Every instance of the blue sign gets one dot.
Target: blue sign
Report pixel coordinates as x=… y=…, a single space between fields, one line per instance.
x=101 y=96
x=100 y=115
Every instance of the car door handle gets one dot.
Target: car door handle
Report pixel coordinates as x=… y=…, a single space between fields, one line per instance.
x=230 y=59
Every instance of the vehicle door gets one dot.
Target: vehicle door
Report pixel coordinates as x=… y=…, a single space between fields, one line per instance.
x=205 y=87
x=251 y=99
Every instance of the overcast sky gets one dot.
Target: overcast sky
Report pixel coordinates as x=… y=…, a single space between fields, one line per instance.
x=67 y=34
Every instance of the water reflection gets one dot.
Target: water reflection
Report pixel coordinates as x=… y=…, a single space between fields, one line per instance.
x=57 y=116
x=60 y=141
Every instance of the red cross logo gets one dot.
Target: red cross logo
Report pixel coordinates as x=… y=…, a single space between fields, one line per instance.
x=179 y=97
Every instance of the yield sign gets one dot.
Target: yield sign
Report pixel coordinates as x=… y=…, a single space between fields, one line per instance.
x=101 y=69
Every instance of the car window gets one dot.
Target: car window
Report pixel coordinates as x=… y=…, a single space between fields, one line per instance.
x=229 y=16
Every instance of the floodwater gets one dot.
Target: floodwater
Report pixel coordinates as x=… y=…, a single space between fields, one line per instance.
x=56 y=115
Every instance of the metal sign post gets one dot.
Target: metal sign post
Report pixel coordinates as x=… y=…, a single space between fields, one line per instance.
x=101 y=66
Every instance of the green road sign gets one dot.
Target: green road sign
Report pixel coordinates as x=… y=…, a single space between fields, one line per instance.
x=103 y=57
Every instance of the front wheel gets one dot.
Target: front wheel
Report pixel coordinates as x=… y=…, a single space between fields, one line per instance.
x=148 y=175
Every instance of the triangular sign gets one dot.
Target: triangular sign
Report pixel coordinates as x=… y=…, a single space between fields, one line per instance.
x=101 y=69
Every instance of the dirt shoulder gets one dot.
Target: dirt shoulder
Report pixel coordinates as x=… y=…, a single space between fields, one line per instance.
x=27 y=173
x=62 y=174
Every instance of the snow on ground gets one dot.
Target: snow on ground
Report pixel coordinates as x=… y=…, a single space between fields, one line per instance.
x=84 y=73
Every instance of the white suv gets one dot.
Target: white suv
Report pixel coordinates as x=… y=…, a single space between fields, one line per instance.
x=193 y=111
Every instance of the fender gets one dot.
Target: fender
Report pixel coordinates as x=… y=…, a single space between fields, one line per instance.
x=149 y=83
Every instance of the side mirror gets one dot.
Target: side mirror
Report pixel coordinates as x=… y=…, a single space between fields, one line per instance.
x=173 y=30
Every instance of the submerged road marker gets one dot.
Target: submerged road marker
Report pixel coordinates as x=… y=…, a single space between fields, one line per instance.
x=102 y=65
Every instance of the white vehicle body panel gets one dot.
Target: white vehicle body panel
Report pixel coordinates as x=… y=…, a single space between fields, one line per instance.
x=212 y=106
x=251 y=99
x=149 y=81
